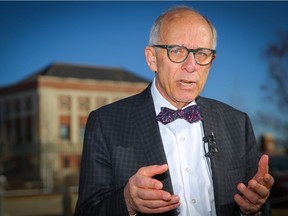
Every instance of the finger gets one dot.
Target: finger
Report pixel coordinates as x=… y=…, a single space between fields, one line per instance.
x=153 y=204
x=152 y=194
x=248 y=195
x=159 y=206
x=161 y=209
x=268 y=181
x=255 y=194
x=262 y=168
x=144 y=182
x=245 y=204
x=258 y=189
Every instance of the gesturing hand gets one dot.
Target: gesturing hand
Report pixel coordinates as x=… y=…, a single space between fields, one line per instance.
x=258 y=189
x=144 y=194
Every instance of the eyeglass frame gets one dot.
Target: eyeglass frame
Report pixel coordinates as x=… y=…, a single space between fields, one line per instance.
x=169 y=47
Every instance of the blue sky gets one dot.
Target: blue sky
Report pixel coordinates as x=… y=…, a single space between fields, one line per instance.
x=36 y=34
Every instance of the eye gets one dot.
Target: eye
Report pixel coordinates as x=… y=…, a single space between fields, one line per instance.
x=203 y=53
x=178 y=51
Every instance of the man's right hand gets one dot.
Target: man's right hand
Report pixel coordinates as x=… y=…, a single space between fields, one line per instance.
x=144 y=194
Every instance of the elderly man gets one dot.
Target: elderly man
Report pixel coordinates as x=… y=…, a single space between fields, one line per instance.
x=169 y=151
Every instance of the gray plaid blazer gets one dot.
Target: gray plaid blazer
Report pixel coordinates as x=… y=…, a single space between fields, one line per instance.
x=124 y=136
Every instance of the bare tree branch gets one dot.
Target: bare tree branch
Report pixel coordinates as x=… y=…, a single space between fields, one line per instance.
x=277 y=85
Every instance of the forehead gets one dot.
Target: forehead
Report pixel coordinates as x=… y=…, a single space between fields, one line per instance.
x=185 y=26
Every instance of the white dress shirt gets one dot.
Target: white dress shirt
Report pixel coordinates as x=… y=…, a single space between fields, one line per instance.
x=190 y=172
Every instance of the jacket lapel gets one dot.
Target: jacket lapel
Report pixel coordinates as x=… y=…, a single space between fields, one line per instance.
x=211 y=123
x=149 y=135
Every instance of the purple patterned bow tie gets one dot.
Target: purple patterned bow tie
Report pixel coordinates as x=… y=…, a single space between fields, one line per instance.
x=190 y=114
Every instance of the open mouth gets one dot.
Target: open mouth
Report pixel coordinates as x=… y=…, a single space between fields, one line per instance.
x=187 y=83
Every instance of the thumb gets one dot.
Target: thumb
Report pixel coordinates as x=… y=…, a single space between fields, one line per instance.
x=149 y=172
x=152 y=170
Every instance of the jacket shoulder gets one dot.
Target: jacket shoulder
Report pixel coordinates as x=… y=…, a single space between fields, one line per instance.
x=126 y=105
x=217 y=105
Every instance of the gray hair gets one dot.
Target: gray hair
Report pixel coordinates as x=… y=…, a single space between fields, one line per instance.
x=154 y=33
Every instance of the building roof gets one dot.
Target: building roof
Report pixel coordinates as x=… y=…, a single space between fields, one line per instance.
x=85 y=72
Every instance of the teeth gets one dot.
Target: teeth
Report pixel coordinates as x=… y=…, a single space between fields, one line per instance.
x=186 y=82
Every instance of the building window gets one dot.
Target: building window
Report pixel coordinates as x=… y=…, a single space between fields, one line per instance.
x=82 y=132
x=17 y=106
x=84 y=103
x=82 y=125
x=8 y=130
x=28 y=104
x=18 y=133
x=65 y=128
x=64 y=103
x=29 y=128
x=64 y=131
x=7 y=108
x=66 y=162
x=70 y=161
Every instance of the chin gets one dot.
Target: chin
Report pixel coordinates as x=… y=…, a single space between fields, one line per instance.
x=187 y=99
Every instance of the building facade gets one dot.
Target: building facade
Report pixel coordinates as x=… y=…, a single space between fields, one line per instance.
x=43 y=118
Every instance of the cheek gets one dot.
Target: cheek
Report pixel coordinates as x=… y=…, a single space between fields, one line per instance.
x=166 y=72
x=166 y=81
x=203 y=77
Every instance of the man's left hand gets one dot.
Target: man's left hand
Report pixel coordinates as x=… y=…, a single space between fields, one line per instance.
x=257 y=192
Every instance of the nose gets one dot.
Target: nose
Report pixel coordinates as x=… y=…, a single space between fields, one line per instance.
x=189 y=64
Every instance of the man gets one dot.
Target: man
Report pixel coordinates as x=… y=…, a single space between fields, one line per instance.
x=140 y=160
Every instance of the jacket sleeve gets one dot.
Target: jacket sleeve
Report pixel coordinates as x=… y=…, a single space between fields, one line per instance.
x=266 y=208
x=252 y=146
x=96 y=194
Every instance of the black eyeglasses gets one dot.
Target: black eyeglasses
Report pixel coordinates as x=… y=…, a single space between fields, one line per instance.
x=178 y=54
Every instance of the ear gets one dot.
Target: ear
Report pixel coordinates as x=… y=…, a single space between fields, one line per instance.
x=150 y=55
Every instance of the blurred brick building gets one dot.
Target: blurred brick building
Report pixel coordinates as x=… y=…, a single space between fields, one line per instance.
x=43 y=117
